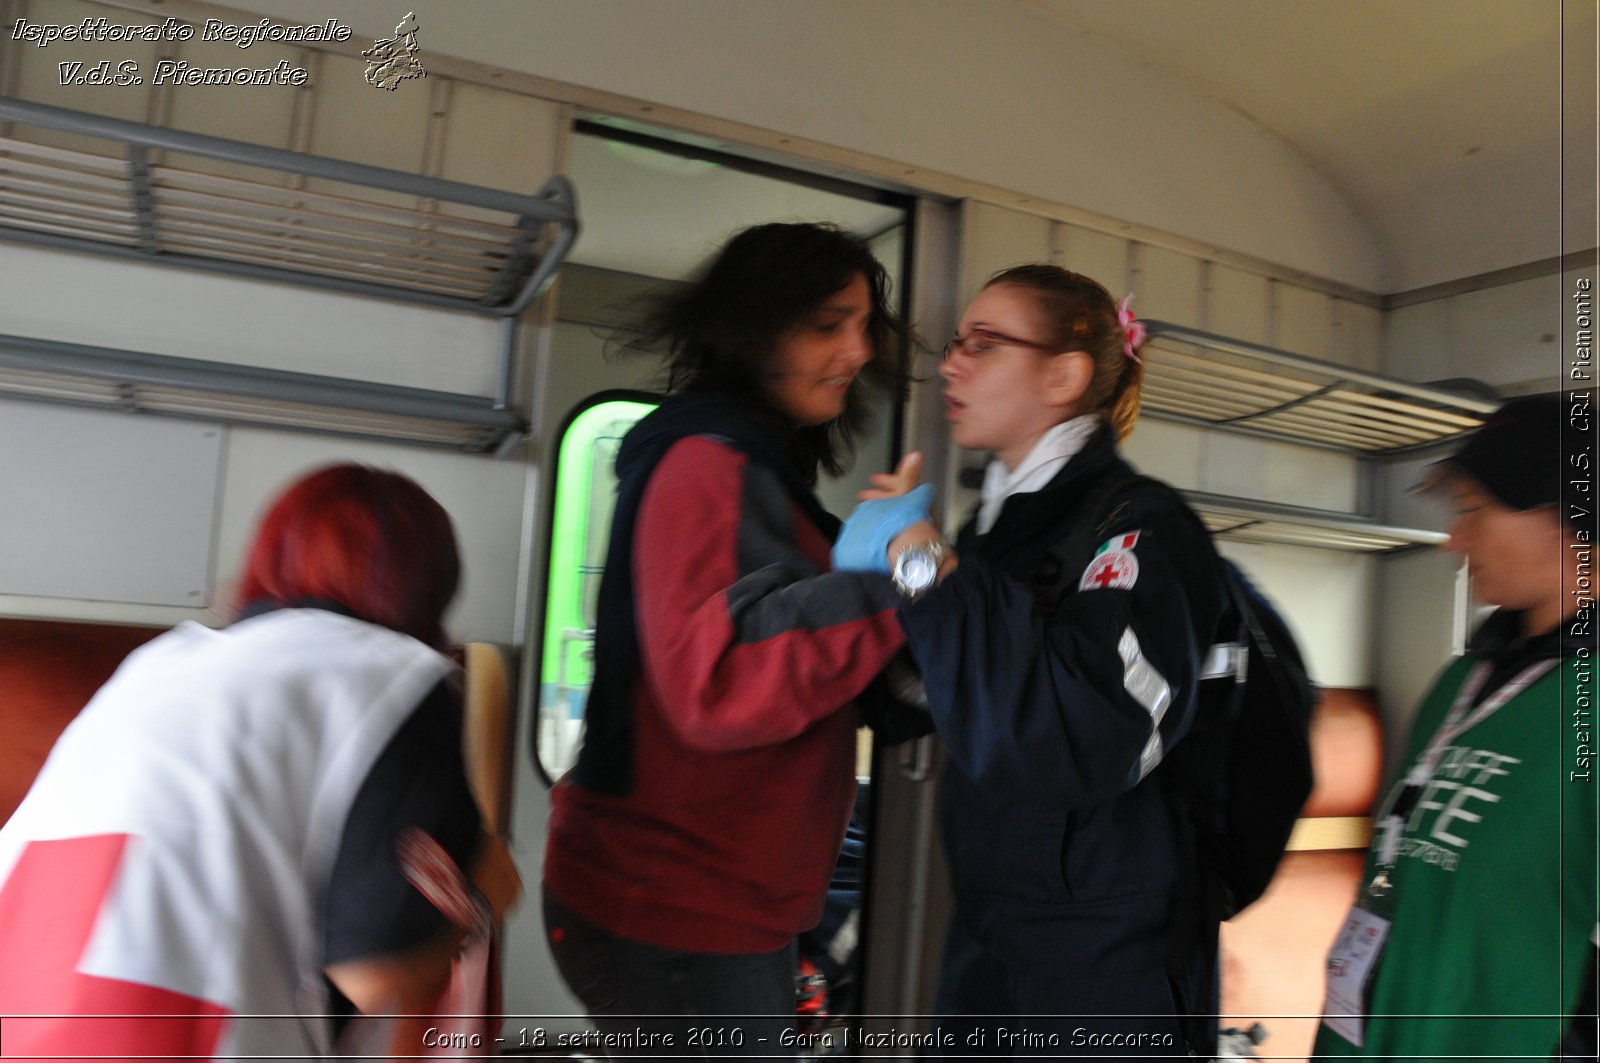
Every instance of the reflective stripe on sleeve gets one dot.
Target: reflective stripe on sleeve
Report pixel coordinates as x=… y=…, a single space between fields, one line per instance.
x=1150 y=689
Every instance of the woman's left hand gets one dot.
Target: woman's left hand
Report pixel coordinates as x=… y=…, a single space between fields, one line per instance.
x=899 y=482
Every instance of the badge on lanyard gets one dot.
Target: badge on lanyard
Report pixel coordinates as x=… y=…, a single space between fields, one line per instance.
x=1350 y=965
x=1355 y=951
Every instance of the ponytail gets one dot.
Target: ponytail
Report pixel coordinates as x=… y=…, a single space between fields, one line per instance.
x=1125 y=399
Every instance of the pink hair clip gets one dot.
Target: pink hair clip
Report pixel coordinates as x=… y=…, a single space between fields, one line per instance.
x=1132 y=330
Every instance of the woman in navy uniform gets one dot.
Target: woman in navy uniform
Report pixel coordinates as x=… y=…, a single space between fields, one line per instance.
x=1059 y=683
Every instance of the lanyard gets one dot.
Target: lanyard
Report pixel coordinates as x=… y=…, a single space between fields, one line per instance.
x=1456 y=723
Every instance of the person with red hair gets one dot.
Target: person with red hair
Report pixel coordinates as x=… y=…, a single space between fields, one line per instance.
x=370 y=542
x=250 y=833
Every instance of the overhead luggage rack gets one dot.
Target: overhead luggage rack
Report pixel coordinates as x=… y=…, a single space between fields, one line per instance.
x=1212 y=381
x=145 y=193
x=1253 y=521
x=437 y=242
x=136 y=382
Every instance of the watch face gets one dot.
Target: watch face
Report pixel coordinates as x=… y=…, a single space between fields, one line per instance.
x=916 y=570
x=919 y=569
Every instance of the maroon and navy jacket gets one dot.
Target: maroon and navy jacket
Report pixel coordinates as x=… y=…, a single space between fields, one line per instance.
x=716 y=824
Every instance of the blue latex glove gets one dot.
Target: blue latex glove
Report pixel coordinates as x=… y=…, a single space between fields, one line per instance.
x=863 y=543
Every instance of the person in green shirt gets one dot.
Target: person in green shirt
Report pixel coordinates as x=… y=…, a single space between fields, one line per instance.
x=1474 y=927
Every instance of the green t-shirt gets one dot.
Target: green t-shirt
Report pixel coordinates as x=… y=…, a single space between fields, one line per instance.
x=1493 y=908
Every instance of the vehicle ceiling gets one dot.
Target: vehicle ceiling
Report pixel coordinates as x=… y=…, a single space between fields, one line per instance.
x=1440 y=120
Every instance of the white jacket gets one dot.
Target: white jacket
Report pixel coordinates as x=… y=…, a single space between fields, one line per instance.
x=183 y=830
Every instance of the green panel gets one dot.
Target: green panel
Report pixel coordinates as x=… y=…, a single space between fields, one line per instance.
x=585 y=492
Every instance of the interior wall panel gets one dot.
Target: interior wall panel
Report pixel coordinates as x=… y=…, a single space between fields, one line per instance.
x=1416 y=621
x=1305 y=476
x=1166 y=285
x=500 y=139
x=1099 y=255
x=260 y=114
x=353 y=121
x=1236 y=304
x=1506 y=336
x=81 y=299
x=994 y=238
x=40 y=75
x=1302 y=321
x=1171 y=452
x=1400 y=502
x=1416 y=337
x=1328 y=598
x=1357 y=336
x=483 y=497
x=1278 y=472
x=136 y=525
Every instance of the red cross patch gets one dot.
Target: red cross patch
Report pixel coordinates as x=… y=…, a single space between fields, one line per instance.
x=1113 y=565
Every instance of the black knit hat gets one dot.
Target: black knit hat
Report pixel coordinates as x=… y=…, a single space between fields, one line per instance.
x=1515 y=455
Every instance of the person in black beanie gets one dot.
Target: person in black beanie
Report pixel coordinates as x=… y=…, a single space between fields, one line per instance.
x=1474 y=927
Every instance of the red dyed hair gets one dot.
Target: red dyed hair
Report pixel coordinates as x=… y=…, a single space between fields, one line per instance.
x=371 y=541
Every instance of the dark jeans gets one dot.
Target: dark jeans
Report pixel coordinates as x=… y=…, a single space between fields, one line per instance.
x=655 y=1003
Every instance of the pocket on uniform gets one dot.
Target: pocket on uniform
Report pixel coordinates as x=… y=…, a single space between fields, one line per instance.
x=1063 y=866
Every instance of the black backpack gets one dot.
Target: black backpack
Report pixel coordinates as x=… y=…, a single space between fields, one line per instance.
x=1243 y=772
x=1237 y=781
x=1266 y=722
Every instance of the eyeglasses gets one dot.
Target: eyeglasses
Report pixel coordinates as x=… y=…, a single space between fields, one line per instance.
x=981 y=341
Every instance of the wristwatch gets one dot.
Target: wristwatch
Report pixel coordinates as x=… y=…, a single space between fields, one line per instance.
x=916 y=568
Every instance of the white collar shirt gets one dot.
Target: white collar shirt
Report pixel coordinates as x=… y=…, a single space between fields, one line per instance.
x=1053 y=450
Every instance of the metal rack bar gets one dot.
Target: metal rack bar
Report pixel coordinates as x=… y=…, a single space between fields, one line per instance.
x=1274 y=356
x=457 y=247
x=355 y=173
x=248 y=270
x=107 y=378
x=503 y=292
x=143 y=207
x=1251 y=520
x=1252 y=389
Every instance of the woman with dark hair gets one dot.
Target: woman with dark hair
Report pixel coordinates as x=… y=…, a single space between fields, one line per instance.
x=694 y=838
x=251 y=828
x=1062 y=658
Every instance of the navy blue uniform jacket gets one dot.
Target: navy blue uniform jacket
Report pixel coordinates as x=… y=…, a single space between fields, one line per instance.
x=1060 y=846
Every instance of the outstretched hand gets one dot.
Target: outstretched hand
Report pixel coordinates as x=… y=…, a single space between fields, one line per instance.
x=863 y=542
x=890 y=484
